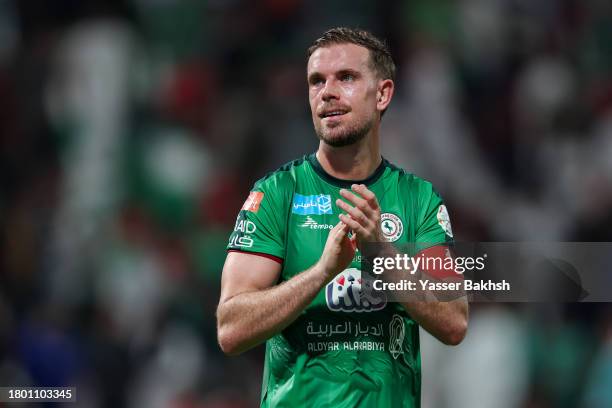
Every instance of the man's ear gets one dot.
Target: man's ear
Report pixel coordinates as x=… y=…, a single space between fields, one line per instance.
x=384 y=94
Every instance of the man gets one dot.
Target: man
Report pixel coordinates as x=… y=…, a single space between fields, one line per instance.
x=292 y=278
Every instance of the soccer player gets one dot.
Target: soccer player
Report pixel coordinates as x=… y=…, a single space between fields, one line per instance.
x=292 y=278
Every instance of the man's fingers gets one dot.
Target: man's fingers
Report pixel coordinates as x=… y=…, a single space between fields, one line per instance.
x=355 y=213
x=353 y=242
x=357 y=201
x=339 y=231
x=339 y=227
x=367 y=195
x=354 y=225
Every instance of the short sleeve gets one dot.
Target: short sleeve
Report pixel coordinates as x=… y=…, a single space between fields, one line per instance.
x=261 y=223
x=434 y=226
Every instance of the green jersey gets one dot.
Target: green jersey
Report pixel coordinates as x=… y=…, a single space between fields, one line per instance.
x=349 y=347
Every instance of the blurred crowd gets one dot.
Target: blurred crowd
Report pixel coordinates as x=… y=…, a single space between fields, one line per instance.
x=132 y=130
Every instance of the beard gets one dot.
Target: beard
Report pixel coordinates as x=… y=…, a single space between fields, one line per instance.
x=346 y=135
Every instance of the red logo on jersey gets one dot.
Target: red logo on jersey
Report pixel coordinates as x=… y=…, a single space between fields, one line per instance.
x=253 y=201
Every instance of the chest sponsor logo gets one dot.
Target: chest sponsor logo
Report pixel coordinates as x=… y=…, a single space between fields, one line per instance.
x=311 y=204
x=391 y=226
x=312 y=224
x=349 y=293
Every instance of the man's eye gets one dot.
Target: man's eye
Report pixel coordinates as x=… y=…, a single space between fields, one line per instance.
x=348 y=77
x=316 y=81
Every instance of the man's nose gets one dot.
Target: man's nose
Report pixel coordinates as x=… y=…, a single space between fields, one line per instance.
x=330 y=91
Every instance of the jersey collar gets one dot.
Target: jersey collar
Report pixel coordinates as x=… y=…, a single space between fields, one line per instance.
x=314 y=162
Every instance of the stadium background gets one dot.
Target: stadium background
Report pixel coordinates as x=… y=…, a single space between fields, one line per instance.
x=131 y=132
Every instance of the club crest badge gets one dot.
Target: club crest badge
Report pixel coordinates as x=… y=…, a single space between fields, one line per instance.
x=392 y=227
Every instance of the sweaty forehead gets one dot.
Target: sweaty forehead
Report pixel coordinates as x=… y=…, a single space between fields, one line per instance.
x=337 y=57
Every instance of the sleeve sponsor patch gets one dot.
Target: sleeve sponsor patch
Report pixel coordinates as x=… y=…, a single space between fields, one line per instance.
x=444 y=220
x=253 y=201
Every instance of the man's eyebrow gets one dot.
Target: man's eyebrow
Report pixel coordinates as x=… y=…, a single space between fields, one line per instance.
x=314 y=75
x=318 y=75
x=348 y=71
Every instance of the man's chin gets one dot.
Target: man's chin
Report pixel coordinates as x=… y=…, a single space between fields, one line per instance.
x=340 y=139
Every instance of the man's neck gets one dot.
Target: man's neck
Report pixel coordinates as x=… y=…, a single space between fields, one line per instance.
x=354 y=162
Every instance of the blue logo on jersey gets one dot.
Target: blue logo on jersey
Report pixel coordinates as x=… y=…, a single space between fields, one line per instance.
x=311 y=204
x=348 y=292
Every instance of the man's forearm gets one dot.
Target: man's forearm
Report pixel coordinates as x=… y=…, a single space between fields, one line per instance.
x=445 y=320
x=247 y=319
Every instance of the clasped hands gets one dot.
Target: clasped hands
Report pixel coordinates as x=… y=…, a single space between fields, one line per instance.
x=363 y=216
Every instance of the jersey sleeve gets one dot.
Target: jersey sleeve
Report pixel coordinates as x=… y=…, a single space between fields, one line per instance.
x=261 y=223
x=434 y=227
